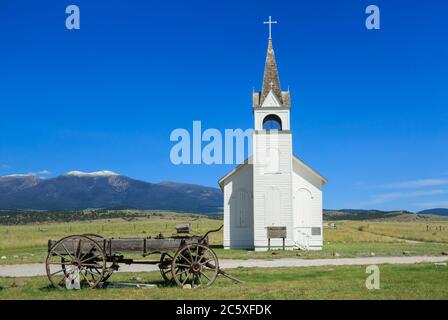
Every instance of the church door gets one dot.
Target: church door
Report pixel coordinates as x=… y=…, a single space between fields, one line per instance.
x=303 y=203
x=302 y=217
x=272 y=207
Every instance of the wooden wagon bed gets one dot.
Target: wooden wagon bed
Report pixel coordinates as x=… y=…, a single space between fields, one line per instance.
x=88 y=260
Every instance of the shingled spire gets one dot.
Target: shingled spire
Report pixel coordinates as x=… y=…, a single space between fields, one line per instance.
x=271 y=80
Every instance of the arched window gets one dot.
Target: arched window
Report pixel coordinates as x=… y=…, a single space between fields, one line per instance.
x=272 y=122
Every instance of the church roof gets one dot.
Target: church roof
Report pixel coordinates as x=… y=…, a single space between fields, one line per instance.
x=248 y=161
x=300 y=161
x=221 y=181
x=271 y=80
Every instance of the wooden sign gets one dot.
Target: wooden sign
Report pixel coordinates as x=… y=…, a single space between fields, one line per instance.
x=276 y=232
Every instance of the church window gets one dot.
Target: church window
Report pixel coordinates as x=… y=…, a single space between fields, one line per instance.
x=242 y=208
x=272 y=122
x=315 y=232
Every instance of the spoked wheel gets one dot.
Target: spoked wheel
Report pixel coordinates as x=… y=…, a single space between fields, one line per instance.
x=165 y=267
x=195 y=265
x=76 y=259
x=100 y=239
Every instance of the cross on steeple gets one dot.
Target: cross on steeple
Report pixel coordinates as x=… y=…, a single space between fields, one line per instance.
x=270 y=23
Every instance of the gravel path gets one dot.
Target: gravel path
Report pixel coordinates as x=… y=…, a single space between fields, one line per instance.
x=38 y=269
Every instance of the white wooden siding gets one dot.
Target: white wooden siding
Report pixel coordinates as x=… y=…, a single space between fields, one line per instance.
x=307 y=215
x=238 y=210
x=272 y=191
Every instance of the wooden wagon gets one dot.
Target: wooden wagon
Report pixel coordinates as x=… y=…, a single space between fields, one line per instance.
x=90 y=259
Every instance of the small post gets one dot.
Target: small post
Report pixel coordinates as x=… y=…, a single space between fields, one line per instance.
x=269 y=244
x=283 y=244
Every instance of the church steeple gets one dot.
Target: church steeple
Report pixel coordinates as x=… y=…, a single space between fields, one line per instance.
x=271 y=92
x=271 y=79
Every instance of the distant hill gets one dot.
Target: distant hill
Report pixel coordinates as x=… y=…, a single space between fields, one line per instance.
x=437 y=211
x=354 y=214
x=108 y=190
x=104 y=189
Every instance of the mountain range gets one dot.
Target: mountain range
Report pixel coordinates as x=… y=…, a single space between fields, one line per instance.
x=78 y=190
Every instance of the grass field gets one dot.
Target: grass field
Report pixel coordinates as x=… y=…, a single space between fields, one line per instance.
x=418 y=231
x=419 y=281
x=28 y=243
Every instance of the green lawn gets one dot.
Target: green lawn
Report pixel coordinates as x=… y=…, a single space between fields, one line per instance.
x=28 y=243
x=418 y=281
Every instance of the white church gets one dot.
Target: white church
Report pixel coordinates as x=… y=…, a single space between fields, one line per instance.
x=274 y=199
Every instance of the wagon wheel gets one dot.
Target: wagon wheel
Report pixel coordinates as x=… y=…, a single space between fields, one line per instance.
x=109 y=270
x=69 y=270
x=165 y=267
x=75 y=255
x=196 y=265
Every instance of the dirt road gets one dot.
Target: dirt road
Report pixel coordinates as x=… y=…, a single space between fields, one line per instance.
x=27 y=270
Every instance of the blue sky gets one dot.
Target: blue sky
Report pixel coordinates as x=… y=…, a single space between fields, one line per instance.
x=369 y=108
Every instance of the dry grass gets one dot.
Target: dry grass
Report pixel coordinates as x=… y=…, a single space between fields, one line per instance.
x=417 y=231
x=28 y=243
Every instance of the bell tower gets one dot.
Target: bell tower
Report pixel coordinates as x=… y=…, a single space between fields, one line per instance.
x=271 y=98
x=272 y=156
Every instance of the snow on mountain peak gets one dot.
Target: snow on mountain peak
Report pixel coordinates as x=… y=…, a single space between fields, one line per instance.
x=17 y=175
x=103 y=173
